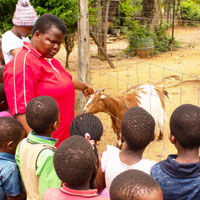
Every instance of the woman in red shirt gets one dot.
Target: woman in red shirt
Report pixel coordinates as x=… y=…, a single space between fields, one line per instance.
x=34 y=72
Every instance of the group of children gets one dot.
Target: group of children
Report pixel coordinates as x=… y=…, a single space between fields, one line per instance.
x=32 y=168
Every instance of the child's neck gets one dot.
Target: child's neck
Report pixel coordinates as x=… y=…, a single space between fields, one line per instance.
x=130 y=157
x=46 y=134
x=15 y=31
x=79 y=187
x=188 y=155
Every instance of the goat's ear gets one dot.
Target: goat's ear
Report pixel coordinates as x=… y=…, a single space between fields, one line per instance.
x=99 y=90
x=103 y=96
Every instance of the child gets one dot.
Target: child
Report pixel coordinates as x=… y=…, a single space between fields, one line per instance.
x=34 y=154
x=1 y=74
x=74 y=162
x=137 y=127
x=90 y=127
x=135 y=184
x=11 y=132
x=2 y=62
x=179 y=175
x=3 y=100
x=24 y=18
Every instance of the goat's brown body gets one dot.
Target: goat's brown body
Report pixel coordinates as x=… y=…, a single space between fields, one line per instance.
x=117 y=106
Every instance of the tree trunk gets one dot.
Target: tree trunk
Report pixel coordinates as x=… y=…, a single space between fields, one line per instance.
x=68 y=44
x=179 y=12
x=83 y=46
x=99 y=26
x=105 y=25
x=151 y=11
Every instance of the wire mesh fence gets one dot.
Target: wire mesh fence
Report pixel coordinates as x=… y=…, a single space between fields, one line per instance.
x=175 y=71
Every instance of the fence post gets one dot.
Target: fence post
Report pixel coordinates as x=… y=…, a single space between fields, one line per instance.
x=172 y=40
x=83 y=46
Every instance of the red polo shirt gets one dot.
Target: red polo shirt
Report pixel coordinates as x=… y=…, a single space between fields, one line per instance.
x=64 y=193
x=29 y=75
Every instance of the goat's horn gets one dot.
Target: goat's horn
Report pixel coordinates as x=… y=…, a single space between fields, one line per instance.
x=99 y=90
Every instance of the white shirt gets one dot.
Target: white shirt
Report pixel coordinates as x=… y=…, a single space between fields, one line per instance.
x=112 y=165
x=9 y=42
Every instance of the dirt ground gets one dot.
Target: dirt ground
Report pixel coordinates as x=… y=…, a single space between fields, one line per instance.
x=177 y=72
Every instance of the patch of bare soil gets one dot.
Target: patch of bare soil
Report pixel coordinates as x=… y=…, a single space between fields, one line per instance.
x=176 y=71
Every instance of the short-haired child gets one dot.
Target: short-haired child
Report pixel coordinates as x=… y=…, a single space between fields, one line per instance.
x=34 y=154
x=11 y=133
x=3 y=101
x=90 y=127
x=137 y=128
x=2 y=62
x=179 y=175
x=74 y=162
x=135 y=185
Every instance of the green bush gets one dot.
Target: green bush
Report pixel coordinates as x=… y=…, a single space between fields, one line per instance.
x=162 y=41
x=190 y=12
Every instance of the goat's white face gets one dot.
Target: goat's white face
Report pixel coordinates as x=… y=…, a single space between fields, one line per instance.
x=95 y=103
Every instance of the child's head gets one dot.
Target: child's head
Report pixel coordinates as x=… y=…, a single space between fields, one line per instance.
x=137 y=127
x=135 y=185
x=48 y=34
x=11 y=132
x=185 y=125
x=2 y=62
x=88 y=126
x=74 y=161
x=1 y=73
x=3 y=99
x=24 y=17
x=42 y=115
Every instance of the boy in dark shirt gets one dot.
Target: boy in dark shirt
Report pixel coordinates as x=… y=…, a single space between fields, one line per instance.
x=11 y=132
x=179 y=175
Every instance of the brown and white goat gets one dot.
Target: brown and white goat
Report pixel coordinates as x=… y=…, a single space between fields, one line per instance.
x=148 y=97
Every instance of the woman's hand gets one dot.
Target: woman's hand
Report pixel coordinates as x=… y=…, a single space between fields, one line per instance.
x=88 y=91
x=85 y=88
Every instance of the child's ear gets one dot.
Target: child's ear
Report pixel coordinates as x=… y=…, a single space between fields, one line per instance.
x=172 y=139
x=10 y=145
x=55 y=125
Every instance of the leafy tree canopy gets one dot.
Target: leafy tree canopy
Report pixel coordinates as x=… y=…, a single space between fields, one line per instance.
x=67 y=10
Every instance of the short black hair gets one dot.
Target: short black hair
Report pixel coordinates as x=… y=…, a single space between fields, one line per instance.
x=2 y=93
x=131 y=184
x=185 y=125
x=10 y=129
x=137 y=127
x=41 y=113
x=44 y=22
x=74 y=161
x=87 y=123
x=1 y=74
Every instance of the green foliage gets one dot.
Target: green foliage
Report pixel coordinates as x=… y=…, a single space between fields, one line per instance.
x=190 y=12
x=127 y=11
x=66 y=10
x=162 y=41
x=137 y=32
x=7 y=9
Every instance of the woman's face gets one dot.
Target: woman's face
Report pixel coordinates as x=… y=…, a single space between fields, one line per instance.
x=48 y=43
